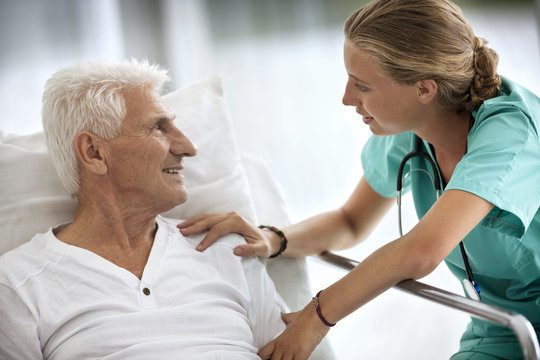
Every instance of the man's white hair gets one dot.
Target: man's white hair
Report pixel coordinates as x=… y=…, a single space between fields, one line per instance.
x=87 y=97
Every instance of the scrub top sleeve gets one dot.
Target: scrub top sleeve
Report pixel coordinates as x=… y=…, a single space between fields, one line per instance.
x=381 y=157
x=502 y=164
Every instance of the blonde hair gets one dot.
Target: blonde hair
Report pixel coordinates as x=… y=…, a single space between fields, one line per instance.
x=87 y=97
x=415 y=40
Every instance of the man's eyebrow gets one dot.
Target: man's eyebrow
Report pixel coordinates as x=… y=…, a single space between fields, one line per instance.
x=163 y=117
x=158 y=118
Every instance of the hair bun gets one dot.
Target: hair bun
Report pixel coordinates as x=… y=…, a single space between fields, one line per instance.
x=486 y=81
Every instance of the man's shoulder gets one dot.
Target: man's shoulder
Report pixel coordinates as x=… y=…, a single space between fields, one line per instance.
x=228 y=241
x=21 y=263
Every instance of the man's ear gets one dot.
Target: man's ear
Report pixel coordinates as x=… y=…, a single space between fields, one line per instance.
x=427 y=89
x=89 y=150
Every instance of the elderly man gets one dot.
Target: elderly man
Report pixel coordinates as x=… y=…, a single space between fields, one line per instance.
x=120 y=281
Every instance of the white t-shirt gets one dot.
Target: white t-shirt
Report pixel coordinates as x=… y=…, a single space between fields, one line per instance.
x=59 y=301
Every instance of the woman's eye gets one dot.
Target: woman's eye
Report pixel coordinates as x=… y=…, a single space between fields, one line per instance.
x=361 y=88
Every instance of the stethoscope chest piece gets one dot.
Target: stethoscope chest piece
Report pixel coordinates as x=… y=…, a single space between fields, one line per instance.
x=473 y=291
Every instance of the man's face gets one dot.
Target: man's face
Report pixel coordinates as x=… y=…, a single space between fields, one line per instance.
x=145 y=161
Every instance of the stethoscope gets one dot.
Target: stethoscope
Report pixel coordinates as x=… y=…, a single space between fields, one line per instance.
x=471 y=287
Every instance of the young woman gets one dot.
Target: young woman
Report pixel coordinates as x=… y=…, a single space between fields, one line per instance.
x=423 y=82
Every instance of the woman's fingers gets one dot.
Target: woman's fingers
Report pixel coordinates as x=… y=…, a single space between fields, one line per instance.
x=289 y=317
x=208 y=240
x=199 y=223
x=216 y=231
x=303 y=333
x=195 y=219
x=202 y=223
x=254 y=249
x=218 y=225
x=275 y=351
x=266 y=351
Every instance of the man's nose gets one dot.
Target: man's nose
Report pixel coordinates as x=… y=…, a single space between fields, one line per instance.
x=181 y=145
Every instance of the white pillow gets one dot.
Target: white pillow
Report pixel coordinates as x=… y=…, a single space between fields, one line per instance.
x=32 y=197
x=33 y=200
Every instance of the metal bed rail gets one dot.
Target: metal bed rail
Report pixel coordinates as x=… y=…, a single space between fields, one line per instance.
x=517 y=322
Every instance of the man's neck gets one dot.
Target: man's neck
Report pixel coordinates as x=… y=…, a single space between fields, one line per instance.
x=122 y=235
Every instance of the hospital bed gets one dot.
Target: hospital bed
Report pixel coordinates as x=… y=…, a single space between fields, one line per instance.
x=219 y=179
x=517 y=322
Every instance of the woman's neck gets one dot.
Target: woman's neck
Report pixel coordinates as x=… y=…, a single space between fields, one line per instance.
x=446 y=132
x=448 y=138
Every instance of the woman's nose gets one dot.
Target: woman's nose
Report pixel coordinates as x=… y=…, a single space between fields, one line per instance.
x=348 y=99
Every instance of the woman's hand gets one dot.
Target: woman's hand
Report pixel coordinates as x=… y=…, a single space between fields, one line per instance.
x=259 y=243
x=303 y=333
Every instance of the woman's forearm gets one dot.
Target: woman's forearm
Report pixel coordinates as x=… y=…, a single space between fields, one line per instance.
x=374 y=275
x=323 y=232
x=412 y=256
x=341 y=228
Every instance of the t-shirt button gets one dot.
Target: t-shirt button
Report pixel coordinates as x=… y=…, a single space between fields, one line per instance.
x=146 y=291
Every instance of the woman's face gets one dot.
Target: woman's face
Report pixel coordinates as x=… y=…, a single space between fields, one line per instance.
x=387 y=107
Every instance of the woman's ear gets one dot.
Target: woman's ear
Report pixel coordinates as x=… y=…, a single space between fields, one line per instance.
x=88 y=148
x=427 y=89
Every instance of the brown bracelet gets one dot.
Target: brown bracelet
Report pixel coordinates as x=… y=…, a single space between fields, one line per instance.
x=281 y=236
x=318 y=309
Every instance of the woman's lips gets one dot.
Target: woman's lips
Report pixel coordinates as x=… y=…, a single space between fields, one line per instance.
x=367 y=119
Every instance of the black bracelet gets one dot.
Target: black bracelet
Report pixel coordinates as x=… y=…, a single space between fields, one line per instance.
x=281 y=236
x=318 y=309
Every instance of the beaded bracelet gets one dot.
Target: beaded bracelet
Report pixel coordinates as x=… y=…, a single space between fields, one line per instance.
x=318 y=309
x=281 y=236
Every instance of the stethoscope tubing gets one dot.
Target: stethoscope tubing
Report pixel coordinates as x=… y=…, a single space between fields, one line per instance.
x=438 y=190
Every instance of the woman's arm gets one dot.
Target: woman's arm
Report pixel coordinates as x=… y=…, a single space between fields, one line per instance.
x=341 y=228
x=333 y=230
x=412 y=256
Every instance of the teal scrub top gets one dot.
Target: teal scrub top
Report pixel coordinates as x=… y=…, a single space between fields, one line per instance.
x=502 y=166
